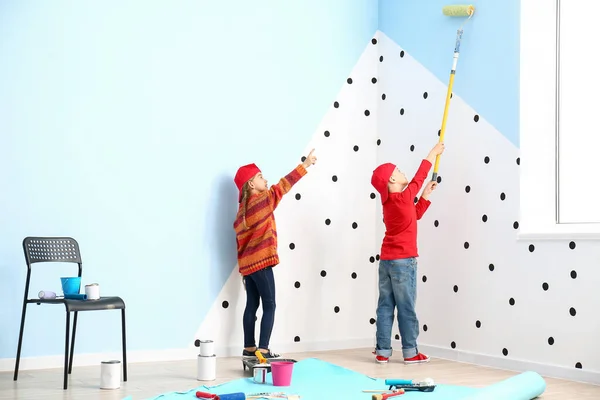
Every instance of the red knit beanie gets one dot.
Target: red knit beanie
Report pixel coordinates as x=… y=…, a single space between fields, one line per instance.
x=380 y=178
x=243 y=175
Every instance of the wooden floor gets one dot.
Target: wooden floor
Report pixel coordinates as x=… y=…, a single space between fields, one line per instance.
x=147 y=380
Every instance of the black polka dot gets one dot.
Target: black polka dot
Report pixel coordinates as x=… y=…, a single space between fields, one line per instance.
x=298 y=196
x=336 y=309
x=425 y=95
x=416 y=199
x=516 y=225
x=425 y=328
x=380 y=58
x=440 y=132
x=297 y=284
x=531 y=248
x=455 y=289
x=327 y=221
x=412 y=147
x=372 y=195
x=578 y=365
x=292 y=246
x=424 y=279
x=453 y=345
x=573 y=274
x=334 y=178
x=505 y=351
x=302 y=158
x=378 y=142
x=478 y=324
x=354 y=275
x=197 y=343
x=545 y=286
x=491 y=267
x=466 y=245
x=372 y=321
x=225 y=304
x=402 y=54
x=550 y=340
x=518 y=160
x=354 y=225
x=467 y=189
x=436 y=223
x=572 y=245
x=486 y=160
x=502 y=196
x=397 y=337
x=511 y=301
x=297 y=339
x=355 y=148
x=349 y=80
x=336 y=104
x=377 y=257
x=383 y=96
x=439 y=179
x=373 y=80
x=484 y=218
x=374 y=41
x=476 y=118
x=326 y=133
x=367 y=113
x=372 y=259
x=572 y=311
x=323 y=273
x=402 y=111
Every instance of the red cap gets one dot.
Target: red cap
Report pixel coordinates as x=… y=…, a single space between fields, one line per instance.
x=380 y=178
x=243 y=175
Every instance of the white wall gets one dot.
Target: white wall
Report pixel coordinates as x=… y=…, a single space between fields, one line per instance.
x=457 y=289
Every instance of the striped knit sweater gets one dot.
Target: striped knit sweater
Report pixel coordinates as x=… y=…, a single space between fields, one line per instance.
x=257 y=246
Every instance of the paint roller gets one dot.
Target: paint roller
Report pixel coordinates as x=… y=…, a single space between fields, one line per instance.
x=426 y=385
x=386 y=396
x=452 y=11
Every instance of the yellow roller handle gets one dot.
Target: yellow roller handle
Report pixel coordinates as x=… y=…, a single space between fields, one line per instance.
x=444 y=119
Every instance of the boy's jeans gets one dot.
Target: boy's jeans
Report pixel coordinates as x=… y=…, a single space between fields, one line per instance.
x=397 y=288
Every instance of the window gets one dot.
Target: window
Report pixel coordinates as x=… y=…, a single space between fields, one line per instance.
x=559 y=134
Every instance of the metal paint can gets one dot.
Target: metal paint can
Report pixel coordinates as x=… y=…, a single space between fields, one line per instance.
x=260 y=374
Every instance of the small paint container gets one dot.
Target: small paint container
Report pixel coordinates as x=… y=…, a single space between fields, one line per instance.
x=260 y=374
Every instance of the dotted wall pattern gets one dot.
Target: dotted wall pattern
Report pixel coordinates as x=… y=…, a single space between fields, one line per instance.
x=326 y=281
x=480 y=290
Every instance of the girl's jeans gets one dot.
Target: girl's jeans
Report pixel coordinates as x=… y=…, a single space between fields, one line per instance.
x=397 y=289
x=260 y=285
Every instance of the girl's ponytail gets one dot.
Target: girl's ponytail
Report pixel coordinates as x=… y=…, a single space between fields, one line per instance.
x=245 y=196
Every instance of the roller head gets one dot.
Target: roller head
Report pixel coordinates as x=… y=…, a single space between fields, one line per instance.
x=458 y=10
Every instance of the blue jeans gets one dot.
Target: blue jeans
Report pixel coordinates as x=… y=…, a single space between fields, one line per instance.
x=397 y=289
x=260 y=285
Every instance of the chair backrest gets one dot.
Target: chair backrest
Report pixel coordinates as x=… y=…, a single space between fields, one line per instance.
x=51 y=249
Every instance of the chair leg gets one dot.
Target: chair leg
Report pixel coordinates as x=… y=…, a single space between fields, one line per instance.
x=20 y=341
x=66 y=350
x=124 y=345
x=73 y=341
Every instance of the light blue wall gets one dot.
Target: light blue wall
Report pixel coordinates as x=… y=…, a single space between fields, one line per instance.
x=122 y=125
x=487 y=75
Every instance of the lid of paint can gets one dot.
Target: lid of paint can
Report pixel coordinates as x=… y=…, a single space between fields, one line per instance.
x=111 y=362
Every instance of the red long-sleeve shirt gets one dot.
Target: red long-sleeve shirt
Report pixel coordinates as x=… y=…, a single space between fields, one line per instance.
x=400 y=215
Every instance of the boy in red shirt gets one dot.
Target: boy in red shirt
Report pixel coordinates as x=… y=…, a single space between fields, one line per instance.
x=398 y=259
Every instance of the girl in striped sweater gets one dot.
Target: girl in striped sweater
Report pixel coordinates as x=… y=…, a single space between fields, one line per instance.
x=256 y=237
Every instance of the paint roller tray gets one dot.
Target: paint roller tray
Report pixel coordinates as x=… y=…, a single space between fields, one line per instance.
x=252 y=363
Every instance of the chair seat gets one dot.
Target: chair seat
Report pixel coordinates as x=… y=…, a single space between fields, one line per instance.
x=103 y=303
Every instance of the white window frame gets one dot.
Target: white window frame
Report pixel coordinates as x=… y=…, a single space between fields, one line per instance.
x=538 y=127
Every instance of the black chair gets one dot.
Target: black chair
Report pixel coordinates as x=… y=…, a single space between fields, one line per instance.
x=64 y=250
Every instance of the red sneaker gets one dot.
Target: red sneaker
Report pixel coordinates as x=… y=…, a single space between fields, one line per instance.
x=419 y=358
x=381 y=359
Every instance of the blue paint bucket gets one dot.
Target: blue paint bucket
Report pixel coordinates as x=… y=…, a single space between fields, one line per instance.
x=71 y=285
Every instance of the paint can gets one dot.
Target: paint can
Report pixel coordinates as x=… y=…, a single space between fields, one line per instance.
x=260 y=374
x=110 y=374
x=207 y=348
x=92 y=291
x=207 y=368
